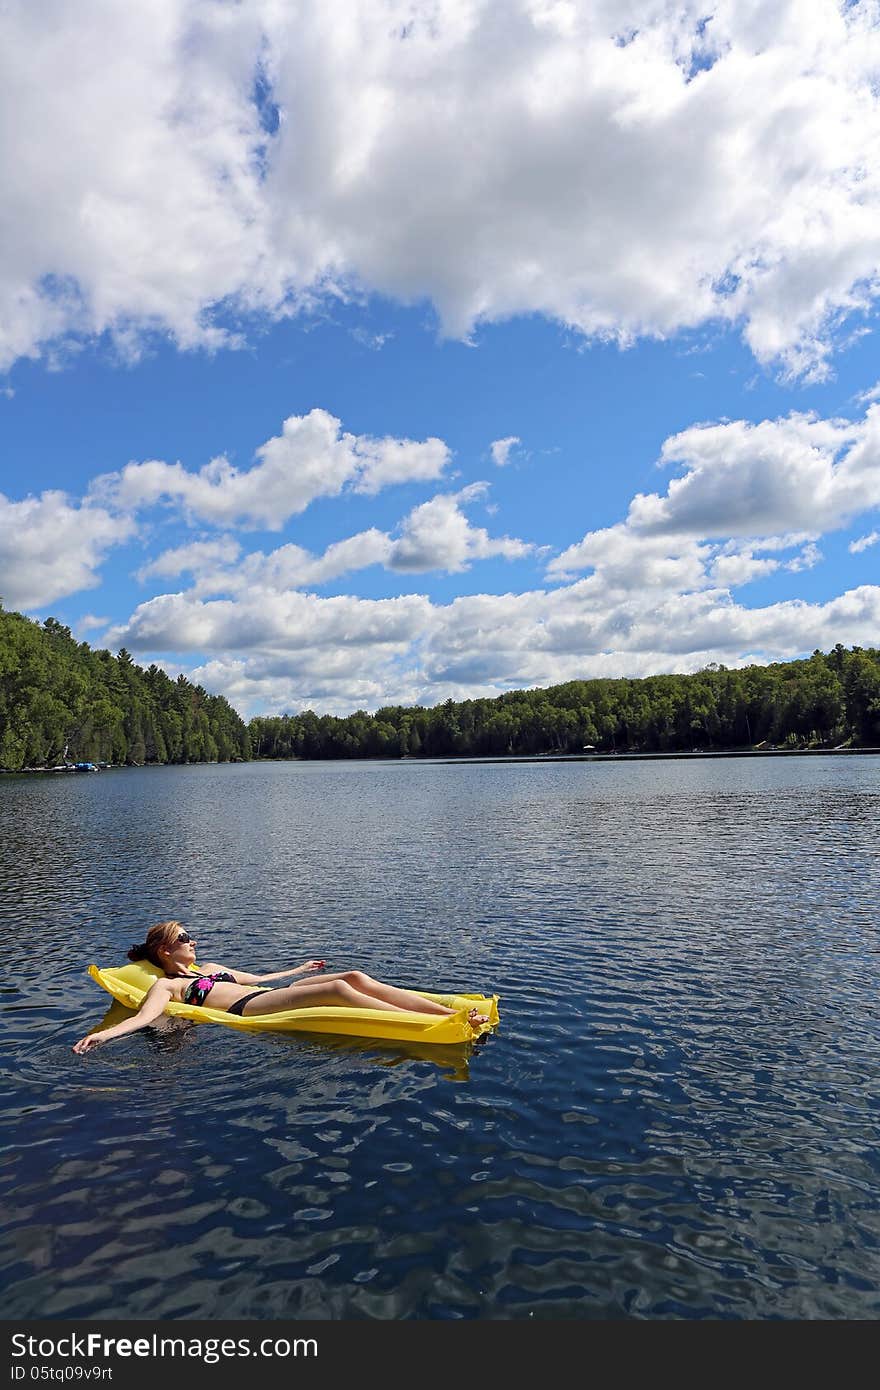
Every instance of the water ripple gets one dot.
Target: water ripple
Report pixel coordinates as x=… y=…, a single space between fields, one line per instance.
x=678 y=1116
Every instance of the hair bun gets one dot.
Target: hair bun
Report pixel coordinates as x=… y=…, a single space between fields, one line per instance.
x=137 y=952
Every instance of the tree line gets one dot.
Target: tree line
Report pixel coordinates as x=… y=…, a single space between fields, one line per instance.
x=823 y=701
x=61 y=701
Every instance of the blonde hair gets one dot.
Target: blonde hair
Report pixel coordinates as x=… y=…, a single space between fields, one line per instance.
x=161 y=936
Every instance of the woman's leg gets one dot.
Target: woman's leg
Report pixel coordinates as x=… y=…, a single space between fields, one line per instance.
x=341 y=990
x=389 y=994
x=381 y=993
x=316 y=994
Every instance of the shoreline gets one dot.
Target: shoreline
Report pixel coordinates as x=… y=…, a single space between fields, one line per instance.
x=501 y=758
x=663 y=756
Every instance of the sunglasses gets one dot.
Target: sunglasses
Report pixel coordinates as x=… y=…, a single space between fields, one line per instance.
x=185 y=939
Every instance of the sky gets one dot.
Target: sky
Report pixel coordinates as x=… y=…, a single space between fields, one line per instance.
x=386 y=353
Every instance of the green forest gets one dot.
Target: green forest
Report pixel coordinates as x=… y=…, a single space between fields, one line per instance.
x=824 y=701
x=60 y=701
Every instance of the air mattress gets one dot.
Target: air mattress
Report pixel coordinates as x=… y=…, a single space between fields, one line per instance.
x=129 y=983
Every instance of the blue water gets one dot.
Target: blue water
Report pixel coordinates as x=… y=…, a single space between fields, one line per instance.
x=678 y=1116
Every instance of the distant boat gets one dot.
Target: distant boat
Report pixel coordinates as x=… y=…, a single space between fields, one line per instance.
x=85 y=767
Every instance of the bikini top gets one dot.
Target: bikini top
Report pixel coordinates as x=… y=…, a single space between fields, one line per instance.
x=202 y=985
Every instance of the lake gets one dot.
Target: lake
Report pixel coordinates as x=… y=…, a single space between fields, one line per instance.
x=678 y=1116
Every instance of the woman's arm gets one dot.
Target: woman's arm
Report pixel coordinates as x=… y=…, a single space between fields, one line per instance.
x=158 y=995
x=244 y=977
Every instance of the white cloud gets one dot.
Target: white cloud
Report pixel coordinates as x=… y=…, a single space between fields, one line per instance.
x=752 y=501
x=626 y=168
x=538 y=638
x=358 y=552
x=383 y=462
x=744 y=481
x=872 y=394
x=293 y=651
x=810 y=555
x=434 y=536
x=298 y=625
x=863 y=542
x=438 y=536
x=191 y=559
x=50 y=548
x=799 y=473
x=293 y=567
x=747 y=492
x=257 y=687
x=731 y=571
x=735 y=565
x=500 y=449
x=312 y=457
x=133 y=181
x=625 y=562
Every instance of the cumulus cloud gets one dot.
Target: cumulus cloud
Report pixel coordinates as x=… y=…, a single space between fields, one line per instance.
x=132 y=192
x=751 y=502
x=50 y=547
x=627 y=562
x=799 y=473
x=190 y=559
x=733 y=567
x=258 y=686
x=625 y=168
x=747 y=492
x=500 y=449
x=438 y=536
x=293 y=567
x=732 y=571
x=293 y=650
x=434 y=536
x=288 y=622
x=357 y=552
x=312 y=457
x=535 y=639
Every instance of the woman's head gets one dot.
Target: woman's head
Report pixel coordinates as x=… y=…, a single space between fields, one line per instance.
x=162 y=941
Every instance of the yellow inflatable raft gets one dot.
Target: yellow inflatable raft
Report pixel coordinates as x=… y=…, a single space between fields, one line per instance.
x=129 y=984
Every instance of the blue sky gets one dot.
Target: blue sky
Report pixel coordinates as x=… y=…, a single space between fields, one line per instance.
x=501 y=345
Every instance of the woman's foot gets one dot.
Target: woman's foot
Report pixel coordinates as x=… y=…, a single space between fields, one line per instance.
x=475 y=1018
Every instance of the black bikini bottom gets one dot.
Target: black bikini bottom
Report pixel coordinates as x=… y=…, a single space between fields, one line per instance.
x=238 y=1006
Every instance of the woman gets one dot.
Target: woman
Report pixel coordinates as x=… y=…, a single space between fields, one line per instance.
x=173 y=950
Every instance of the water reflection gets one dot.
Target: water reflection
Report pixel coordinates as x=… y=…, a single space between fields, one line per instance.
x=452 y=1059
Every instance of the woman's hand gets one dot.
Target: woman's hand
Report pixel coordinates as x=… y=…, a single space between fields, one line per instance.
x=309 y=967
x=158 y=995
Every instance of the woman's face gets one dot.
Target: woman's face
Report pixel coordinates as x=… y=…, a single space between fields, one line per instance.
x=182 y=951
